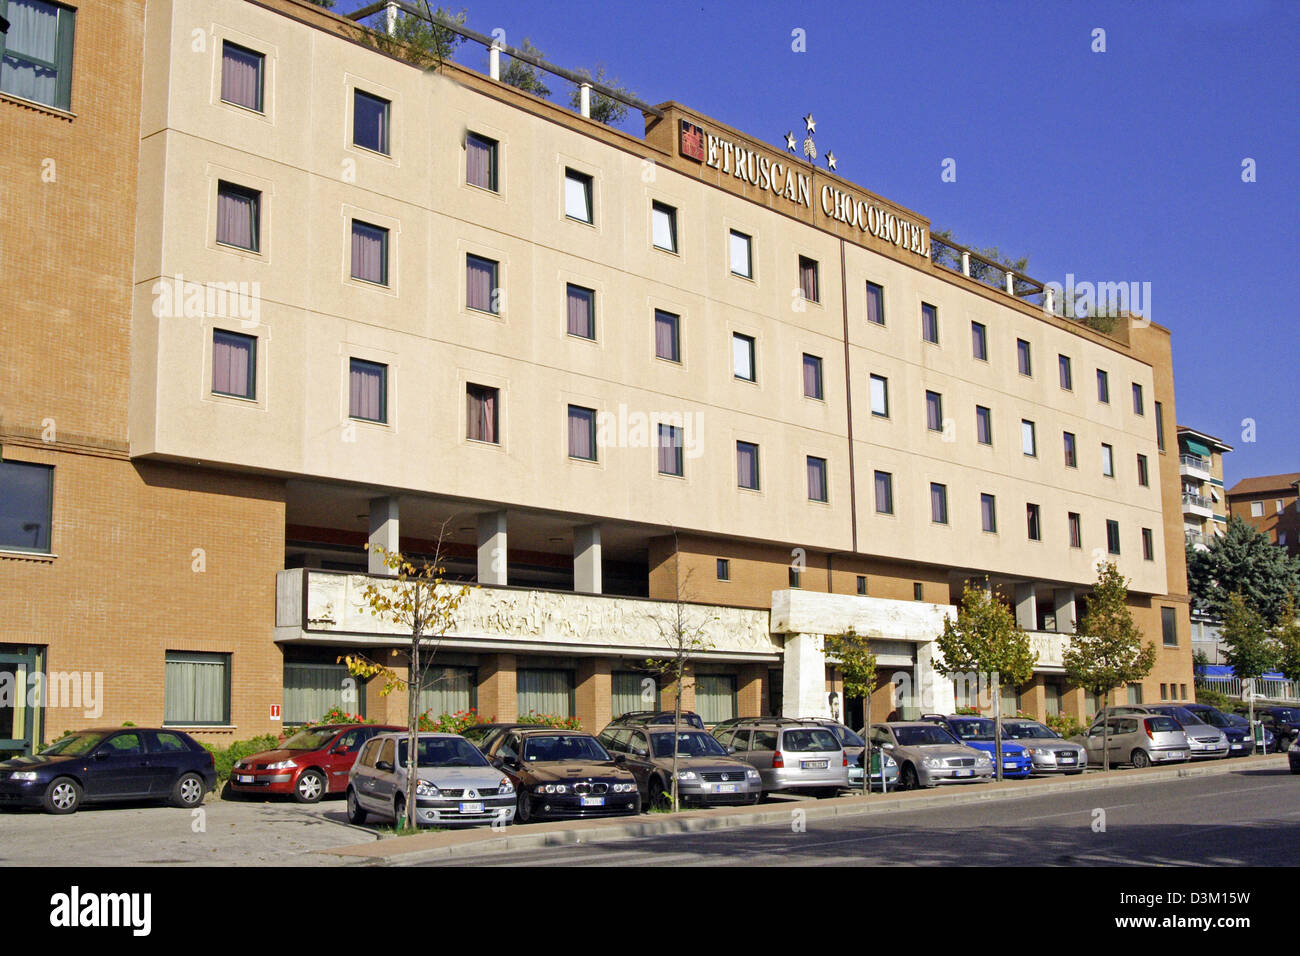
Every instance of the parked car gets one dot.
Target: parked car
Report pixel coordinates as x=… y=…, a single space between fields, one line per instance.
x=660 y=717
x=564 y=773
x=1283 y=721
x=706 y=773
x=929 y=755
x=1240 y=741
x=483 y=736
x=311 y=763
x=980 y=733
x=1293 y=757
x=1241 y=721
x=110 y=765
x=854 y=746
x=1203 y=740
x=1049 y=751
x=790 y=755
x=454 y=783
x=1139 y=739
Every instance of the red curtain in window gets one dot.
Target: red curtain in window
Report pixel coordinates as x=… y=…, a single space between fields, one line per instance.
x=481 y=414
x=808 y=280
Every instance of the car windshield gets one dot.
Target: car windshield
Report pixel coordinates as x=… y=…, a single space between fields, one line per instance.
x=74 y=745
x=309 y=738
x=1181 y=714
x=1162 y=725
x=443 y=752
x=695 y=744
x=1237 y=720
x=923 y=736
x=1026 y=729
x=555 y=747
x=973 y=728
x=812 y=740
x=846 y=737
x=1214 y=718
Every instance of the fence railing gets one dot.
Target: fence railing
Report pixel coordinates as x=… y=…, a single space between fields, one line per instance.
x=1265 y=689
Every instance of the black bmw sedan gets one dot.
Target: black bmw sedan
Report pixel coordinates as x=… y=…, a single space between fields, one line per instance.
x=105 y=766
x=564 y=774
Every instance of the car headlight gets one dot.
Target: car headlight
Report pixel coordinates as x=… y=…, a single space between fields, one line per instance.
x=984 y=758
x=552 y=788
x=931 y=762
x=424 y=788
x=282 y=765
x=28 y=775
x=241 y=765
x=685 y=774
x=890 y=761
x=753 y=774
x=505 y=786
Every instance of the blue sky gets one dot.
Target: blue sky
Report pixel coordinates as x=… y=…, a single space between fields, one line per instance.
x=1123 y=165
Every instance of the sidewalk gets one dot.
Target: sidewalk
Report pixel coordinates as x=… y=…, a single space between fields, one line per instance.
x=450 y=844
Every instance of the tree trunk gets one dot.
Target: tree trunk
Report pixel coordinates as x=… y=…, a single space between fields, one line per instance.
x=1105 y=731
x=413 y=683
x=997 y=729
x=677 y=720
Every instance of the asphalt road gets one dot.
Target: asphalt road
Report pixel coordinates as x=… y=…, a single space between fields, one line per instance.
x=1249 y=817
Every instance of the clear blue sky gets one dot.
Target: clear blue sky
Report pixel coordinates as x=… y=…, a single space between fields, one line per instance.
x=1117 y=166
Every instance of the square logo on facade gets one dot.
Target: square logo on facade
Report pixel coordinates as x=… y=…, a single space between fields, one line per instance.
x=692 y=141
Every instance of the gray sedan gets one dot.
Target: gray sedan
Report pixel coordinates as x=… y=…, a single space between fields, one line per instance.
x=929 y=755
x=1051 y=753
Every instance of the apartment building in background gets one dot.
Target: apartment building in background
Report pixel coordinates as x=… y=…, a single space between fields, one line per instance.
x=1271 y=505
x=368 y=304
x=1205 y=515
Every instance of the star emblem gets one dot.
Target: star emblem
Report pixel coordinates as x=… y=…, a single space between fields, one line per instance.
x=810 y=123
x=789 y=141
x=830 y=159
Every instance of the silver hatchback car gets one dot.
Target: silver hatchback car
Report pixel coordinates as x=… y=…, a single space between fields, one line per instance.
x=1139 y=739
x=792 y=755
x=929 y=755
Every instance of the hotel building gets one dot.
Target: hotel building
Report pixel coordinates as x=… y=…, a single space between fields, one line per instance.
x=313 y=297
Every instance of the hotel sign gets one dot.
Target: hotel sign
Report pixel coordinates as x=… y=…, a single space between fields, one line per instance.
x=791 y=180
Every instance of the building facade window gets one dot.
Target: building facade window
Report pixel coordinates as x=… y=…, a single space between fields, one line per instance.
x=668 y=343
x=1023 y=358
x=929 y=323
x=983 y=425
x=582 y=433
x=918 y=591
x=670 y=451
x=368 y=391
x=880 y=396
x=1103 y=387
x=809 y=286
x=1160 y=426
x=1071 y=456
x=934 y=411
x=884 y=493
x=37 y=52
x=1139 y=405
x=715 y=697
x=1028 y=439
x=369 y=252
x=663 y=226
x=238 y=216
x=243 y=73
x=812 y=376
x=817 y=483
x=724 y=569
x=1066 y=373
x=370 y=121
x=747 y=465
x=979 y=341
x=938 y=503
x=1076 y=531
x=743 y=365
x=862 y=584
x=447 y=690
x=26 y=506
x=577 y=196
x=481 y=161
x=1112 y=536
x=234 y=364
x=1257 y=509
x=988 y=513
x=1107 y=460
x=313 y=688
x=1144 y=479
x=1169 y=626
x=1033 y=522
x=544 y=691
x=742 y=255
x=196 y=689
x=1148 y=545
x=581 y=311
x=875 y=304
x=482 y=413
x=481 y=284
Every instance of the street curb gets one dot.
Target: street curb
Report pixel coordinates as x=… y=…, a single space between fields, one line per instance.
x=444 y=845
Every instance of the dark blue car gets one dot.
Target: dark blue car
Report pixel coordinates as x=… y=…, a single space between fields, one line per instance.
x=1240 y=742
x=977 y=732
x=105 y=766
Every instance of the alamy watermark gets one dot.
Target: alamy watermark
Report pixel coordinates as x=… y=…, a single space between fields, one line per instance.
x=176 y=297
x=82 y=690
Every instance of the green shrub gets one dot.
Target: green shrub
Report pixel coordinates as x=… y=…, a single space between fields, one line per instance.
x=453 y=723
x=550 y=720
x=337 y=715
x=1216 y=698
x=1065 y=725
x=226 y=757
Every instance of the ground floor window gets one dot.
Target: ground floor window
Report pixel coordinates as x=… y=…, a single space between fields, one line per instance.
x=196 y=688
x=628 y=687
x=715 y=697
x=545 y=692
x=775 y=692
x=313 y=688
x=1010 y=699
x=1135 y=695
x=448 y=690
x=1091 y=704
x=1052 y=699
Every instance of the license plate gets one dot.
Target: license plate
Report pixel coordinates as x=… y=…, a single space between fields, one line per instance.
x=1009 y=765
x=593 y=801
x=1067 y=760
x=964 y=773
x=726 y=788
x=471 y=808
x=243 y=778
x=814 y=764
x=1236 y=746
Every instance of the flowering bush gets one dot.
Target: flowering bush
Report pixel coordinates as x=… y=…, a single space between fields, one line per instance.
x=1065 y=725
x=968 y=711
x=550 y=720
x=337 y=715
x=453 y=723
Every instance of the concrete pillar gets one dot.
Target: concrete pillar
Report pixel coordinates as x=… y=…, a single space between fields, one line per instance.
x=586 y=559
x=803 y=692
x=383 y=533
x=497 y=692
x=1026 y=606
x=494 y=60
x=1049 y=300
x=965 y=263
x=492 y=548
x=584 y=99
x=390 y=19
x=1033 y=700
x=593 y=695
x=1074 y=701
x=1011 y=283
x=390 y=708
x=1063 y=602
x=932 y=692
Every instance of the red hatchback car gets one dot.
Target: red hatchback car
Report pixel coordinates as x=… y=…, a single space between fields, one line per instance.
x=313 y=762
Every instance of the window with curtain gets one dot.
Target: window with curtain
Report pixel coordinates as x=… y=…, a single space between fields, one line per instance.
x=1022 y=357
x=480 y=284
x=979 y=336
x=544 y=692
x=1107 y=460
x=1035 y=529
x=1169 y=626
x=1010 y=699
x=196 y=688
x=1134 y=695
x=938 y=503
x=1112 y=536
x=884 y=493
x=582 y=433
x=242 y=72
x=1144 y=479
x=983 y=425
x=37 y=52
x=670 y=451
x=26 y=506
x=875 y=304
x=312 y=689
x=1052 y=699
x=817 y=479
x=369 y=252
x=581 y=311
x=481 y=413
x=929 y=323
x=742 y=357
x=663 y=226
x=370 y=121
x=742 y=260
x=1028 y=440
x=368 y=391
x=724 y=569
x=626 y=693
x=808 y=286
x=934 y=411
x=812 y=376
x=481 y=161
x=1071 y=459
x=1148 y=545
x=1076 y=532
x=238 y=211
x=447 y=690
x=1067 y=375
x=1160 y=426
x=234 y=364
x=880 y=396
x=747 y=465
x=1139 y=404
x=1103 y=387
x=988 y=513
x=667 y=339
x=577 y=196
x=715 y=697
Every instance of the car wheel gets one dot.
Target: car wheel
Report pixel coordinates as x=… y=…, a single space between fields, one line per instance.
x=1140 y=759
x=356 y=812
x=63 y=795
x=230 y=793
x=909 y=780
x=524 y=814
x=189 y=791
x=660 y=799
x=310 y=787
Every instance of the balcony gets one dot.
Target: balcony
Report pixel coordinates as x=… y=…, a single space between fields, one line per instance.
x=1198 y=505
x=1194 y=466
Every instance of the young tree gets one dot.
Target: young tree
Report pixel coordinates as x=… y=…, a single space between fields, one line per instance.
x=421 y=40
x=1108 y=650
x=1287 y=636
x=1243 y=561
x=1248 y=645
x=858 y=665
x=604 y=109
x=525 y=76
x=419 y=600
x=984 y=639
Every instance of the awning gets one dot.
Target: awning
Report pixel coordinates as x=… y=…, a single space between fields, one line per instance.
x=1196 y=448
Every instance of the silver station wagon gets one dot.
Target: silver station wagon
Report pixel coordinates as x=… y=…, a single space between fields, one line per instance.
x=789 y=754
x=1139 y=739
x=455 y=783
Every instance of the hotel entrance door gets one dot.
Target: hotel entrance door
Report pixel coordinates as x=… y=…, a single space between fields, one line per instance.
x=19 y=721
